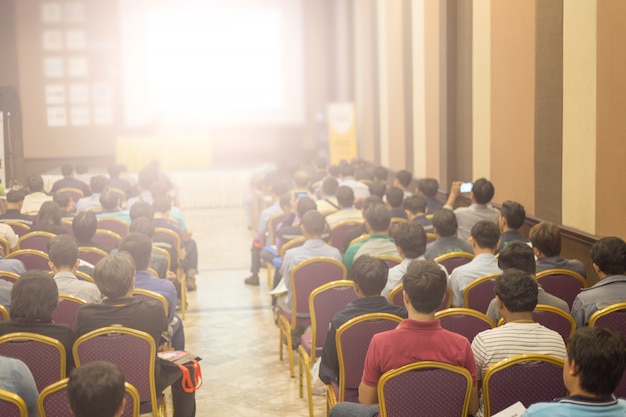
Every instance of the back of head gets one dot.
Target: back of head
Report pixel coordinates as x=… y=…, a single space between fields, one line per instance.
x=600 y=356
x=395 y=197
x=109 y=201
x=371 y=201
x=49 y=214
x=329 y=186
x=15 y=196
x=67 y=170
x=546 y=237
x=34 y=296
x=304 y=205
x=404 y=177
x=141 y=209
x=445 y=222
x=347 y=170
x=114 y=274
x=381 y=174
x=35 y=183
x=139 y=246
x=486 y=234
x=63 y=251
x=517 y=290
x=333 y=171
x=143 y=225
x=514 y=214
x=314 y=222
x=428 y=186
x=378 y=217
x=301 y=179
x=609 y=254
x=415 y=204
x=98 y=183
x=115 y=170
x=84 y=226
x=483 y=191
x=425 y=284
x=370 y=274
x=96 y=389
x=162 y=204
x=61 y=198
x=345 y=196
x=411 y=238
x=517 y=255
x=378 y=188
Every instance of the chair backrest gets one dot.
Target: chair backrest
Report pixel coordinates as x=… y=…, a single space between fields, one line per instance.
x=307 y=276
x=358 y=239
x=91 y=254
x=293 y=243
x=106 y=238
x=122 y=195
x=6 y=248
x=612 y=317
x=32 y=259
x=67 y=310
x=34 y=240
x=132 y=350
x=478 y=294
x=430 y=237
x=526 y=378
x=11 y=405
x=555 y=319
x=395 y=296
x=165 y=235
x=67 y=223
x=454 y=259
x=390 y=260
x=20 y=228
x=165 y=253
x=415 y=390
x=114 y=224
x=44 y=356
x=4 y=313
x=339 y=232
x=562 y=283
x=83 y=276
x=353 y=339
x=464 y=321
x=324 y=302
x=151 y=296
x=272 y=223
x=74 y=193
x=11 y=277
x=53 y=401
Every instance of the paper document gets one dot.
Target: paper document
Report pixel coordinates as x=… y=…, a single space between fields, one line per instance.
x=515 y=410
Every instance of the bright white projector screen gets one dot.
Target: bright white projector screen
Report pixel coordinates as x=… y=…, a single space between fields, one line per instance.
x=208 y=63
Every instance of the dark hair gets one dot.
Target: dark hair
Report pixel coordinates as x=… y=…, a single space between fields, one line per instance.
x=333 y=170
x=304 y=205
x=84 y=226
x=35 y=183
x=411 y=238
x=428 y=186
x=49 y=215
x=98 y=183
x=609 y=254
x=517 y=255
x=15 y=196
x=314 y=222
x=34 y=296
x=139 y=246
x=514 y=214
x=329 y=186
x=404 y=177
x=142 y=225
x=115 y=170
x=378 y=189
x=483 y=191
x=109 y=200
x=96 y=389
x=114 y=274
x=346 y=170
x=285 y=200
x=161 y=204
x=600 y=355
x=546 y=237
x=61 y=198
x=345 y=196
x=395 y=197
x=371 y=201
x=415 y=204
x=63 y=251
x=67 y=170
x=425 y=284
x=486 y=234
x=381 y=174
x=378 y=217
x=517 y=290
x=445 y=222
x=370 y=274
x=141 y=209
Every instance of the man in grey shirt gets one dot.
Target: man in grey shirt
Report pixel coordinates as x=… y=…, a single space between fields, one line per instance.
x=546 y=240
x=480 y=209
x=445 y=227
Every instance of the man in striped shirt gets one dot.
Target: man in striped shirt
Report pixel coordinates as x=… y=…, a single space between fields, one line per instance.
x=516 y=294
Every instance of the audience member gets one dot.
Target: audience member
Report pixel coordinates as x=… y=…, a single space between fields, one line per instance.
x=327 y=203
x=15 y=200
x=160 y=190
x=446 y=241
x=546 y=240
x=15 y=377
x=415 y=209
x=146 y=179
x=66 y=204
x=99 y=184
x=36 y=197
x=377 y=220
x=429 y=187
x=594 y=366
x=484 y=241
x=378 y=188
x=361 y=191
x=96 y=389
x=82 y=173
x=158 y=261
x=110 y=202
x=84 y=226
x=360 y=170
x=418 y=338
x=403 y=180
x=49 y=219
x=289 y=229
x=347 y=212
x=381 y=174
x=63 y=254
x=116 y=181
x=609 y=261
x=361 y=229
x=144 y=210
x=479 y=209
x=69 y=181
x=512 y=216
x=395 y=199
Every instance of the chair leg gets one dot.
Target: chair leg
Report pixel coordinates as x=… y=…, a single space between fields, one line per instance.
x=270 y=276
x=292 y=372
x=305 y=364
x=280 y=338
x=301 y=361
x=183 y=293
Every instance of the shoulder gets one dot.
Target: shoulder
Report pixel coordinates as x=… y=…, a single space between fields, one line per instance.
x=543 y=409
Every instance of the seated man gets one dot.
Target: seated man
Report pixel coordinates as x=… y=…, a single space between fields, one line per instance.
x=15 y=377
x=512 y=216
x=110 y=203
x=345 y=198
x=361 y=191
x=65 y=202
x=429 y=187
x=328 y=198
x=415 y=209
x=546 y=240
x=395 y=197
x=96 y=388
x=361 y=229
x=403 y=181
x=479 y=209
x=594 y=366
x=69 y=181
x=99 y=184
x=36 y=197
x=378 y=189
x=63 y=254
x=381 y=174
x=418 y=338
x=15 y=200
x=377 y=220
x=446 y=241
x=84 y=226
x=116 y=181
x=516 y=292
x=115 y=277
x=484 y=241
x=609 y=261
x=518 y=255
x=139 y=246
x=369 y=275
x=159 y=260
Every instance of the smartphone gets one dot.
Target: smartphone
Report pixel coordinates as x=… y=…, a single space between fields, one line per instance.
x=466 y=187
x=299 y=194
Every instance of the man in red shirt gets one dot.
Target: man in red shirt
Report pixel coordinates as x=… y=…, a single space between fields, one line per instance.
x=418 y=338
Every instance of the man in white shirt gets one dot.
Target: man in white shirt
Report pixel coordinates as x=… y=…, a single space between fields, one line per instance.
x=347 y=212
x=361 y=191
x=37 y=196
x=480 y=209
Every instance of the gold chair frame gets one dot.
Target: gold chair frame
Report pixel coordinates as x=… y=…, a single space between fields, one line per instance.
x=15 y=400
x=605 y=311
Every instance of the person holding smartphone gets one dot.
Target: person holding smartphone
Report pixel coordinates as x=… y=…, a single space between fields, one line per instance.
x=481 y=193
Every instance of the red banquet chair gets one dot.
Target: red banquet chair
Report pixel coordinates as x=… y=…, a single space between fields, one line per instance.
x=464 y=321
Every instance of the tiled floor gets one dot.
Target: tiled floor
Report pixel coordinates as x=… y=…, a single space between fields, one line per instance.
x=230 y=325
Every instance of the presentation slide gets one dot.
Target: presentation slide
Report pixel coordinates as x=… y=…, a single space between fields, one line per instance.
x=205 y=64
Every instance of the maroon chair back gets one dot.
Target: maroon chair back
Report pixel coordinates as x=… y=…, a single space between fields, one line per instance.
x=67 y=310
x=106 y=238
x=11 y=277
x=478 y=294
x=18 y=227
x=561 y=283
x=35 y=240
x=464 y=321
x=113 y=224
x=11 y=405
x=339 y=232
x=92 y=255
x=453 y=260
x=612 y=318
x=555 y=319
x=31 y=258
x=272 y=224
x=396 y=298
